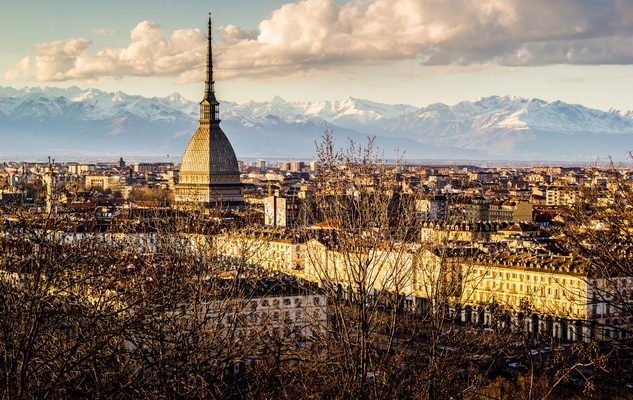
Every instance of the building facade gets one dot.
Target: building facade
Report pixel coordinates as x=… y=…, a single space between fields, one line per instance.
x=550 y=296
x=283 y=211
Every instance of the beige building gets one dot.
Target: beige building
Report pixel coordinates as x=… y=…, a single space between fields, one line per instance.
x=517 y=211
x=467 y=232
x=283 y=211
x=560 y=196
x=546 y=295
x=433 y=207
x=273 y=306
x=80 y=169
x=105 y=182
x=270 y=250
x=480 y=209
x=380 y=269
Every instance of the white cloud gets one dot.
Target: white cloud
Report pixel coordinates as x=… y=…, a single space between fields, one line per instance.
x=22 y=68
x=318 y=34
x=325 y=35
x=150 y=53
x=231 y=34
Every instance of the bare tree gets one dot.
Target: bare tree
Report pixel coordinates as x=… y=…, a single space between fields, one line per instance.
x=140 y=310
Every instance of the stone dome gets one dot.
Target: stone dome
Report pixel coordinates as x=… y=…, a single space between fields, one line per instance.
x=209 y=158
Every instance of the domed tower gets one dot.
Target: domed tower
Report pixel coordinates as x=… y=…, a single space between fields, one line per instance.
x=209 y=173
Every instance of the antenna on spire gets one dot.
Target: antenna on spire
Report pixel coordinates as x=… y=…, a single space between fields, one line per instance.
x=208 y=87
x=209 y=106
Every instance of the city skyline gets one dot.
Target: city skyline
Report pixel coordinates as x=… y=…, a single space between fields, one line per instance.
x=310 y=50
x=372 y=199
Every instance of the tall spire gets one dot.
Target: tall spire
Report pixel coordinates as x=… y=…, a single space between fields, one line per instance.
x=209 y=106
x=208 y=85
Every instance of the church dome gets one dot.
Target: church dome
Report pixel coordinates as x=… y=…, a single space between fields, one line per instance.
x=209 y=158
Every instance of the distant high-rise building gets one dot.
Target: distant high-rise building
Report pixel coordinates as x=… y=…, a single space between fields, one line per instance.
x=13 y=180
x=209 y=172
x=261 y=164
x=80 y=169
x=560 y=196
x=282 y=212
x=431 y=207
x=297 y=166
x=477 y=210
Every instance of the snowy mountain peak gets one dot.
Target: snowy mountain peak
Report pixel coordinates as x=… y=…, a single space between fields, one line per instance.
x=488 y=127
x=278 y=100
x=176 y=97
x=87 y=95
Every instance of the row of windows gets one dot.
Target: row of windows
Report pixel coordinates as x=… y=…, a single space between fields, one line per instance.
x=276 y=317
x=529 y=277
x=298 y=302
x=512 y=300
x=530 y=289
x=264 y=317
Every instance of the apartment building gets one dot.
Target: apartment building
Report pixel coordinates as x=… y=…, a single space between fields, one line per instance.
x=560 y=196
x=270 y=250
x=555 y=296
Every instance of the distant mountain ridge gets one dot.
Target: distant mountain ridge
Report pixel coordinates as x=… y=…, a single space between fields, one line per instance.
x=76 y=122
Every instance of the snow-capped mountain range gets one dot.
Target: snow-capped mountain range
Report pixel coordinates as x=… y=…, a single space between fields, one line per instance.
x=76 y=122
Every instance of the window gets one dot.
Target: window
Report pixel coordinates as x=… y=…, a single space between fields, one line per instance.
x=316 y=300
x=264 y=303
x=286 y=302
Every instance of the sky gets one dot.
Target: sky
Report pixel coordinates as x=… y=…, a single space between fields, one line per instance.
x=393 y=51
